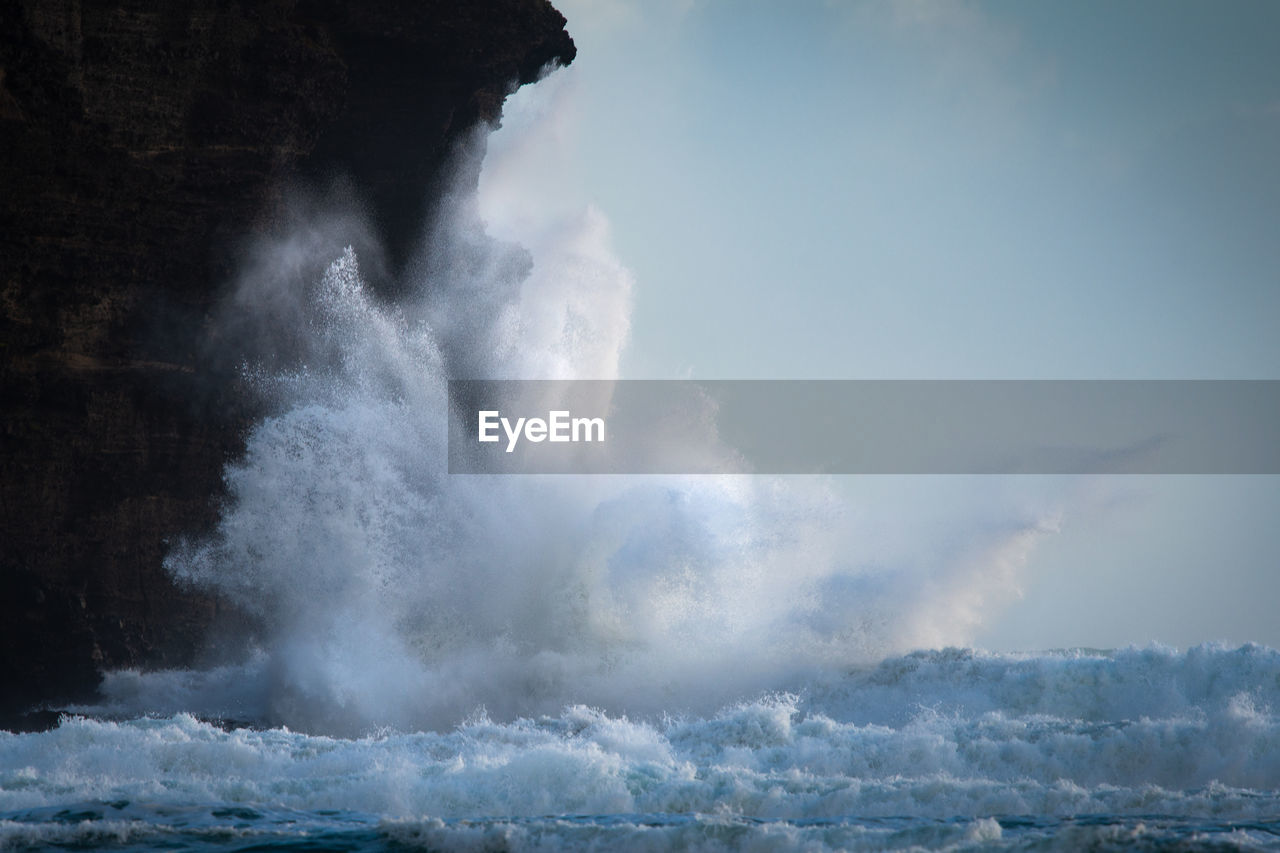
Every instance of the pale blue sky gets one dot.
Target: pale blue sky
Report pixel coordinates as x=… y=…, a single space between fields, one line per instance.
x=965 y=190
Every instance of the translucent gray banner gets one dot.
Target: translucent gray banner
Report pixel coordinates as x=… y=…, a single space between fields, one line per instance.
x=864 y=427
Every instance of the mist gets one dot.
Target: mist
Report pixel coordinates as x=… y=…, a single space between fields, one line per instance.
x=392 y=594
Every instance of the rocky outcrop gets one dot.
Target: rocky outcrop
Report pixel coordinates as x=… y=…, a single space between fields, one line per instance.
x=142 y=142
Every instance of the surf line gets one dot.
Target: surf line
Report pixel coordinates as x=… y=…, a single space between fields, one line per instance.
x=559 y=425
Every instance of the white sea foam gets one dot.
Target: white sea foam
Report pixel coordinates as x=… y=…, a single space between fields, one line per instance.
x=934 y=735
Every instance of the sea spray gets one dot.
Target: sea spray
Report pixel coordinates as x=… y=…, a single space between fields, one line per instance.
x=393 y=594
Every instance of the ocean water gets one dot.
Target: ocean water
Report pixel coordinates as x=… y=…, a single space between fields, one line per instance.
x=951 y=749
x=530 y=663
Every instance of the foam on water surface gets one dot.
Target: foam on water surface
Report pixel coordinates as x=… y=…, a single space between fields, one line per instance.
x=942 y=734
x=1137 y=744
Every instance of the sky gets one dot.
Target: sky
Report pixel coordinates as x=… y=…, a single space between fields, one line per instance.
x=952 y=190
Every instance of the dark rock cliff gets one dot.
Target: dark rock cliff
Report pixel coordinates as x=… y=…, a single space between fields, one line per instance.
x=141 y=142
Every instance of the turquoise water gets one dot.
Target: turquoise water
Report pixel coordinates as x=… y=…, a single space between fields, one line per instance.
x=951 y=749
x=126 y=826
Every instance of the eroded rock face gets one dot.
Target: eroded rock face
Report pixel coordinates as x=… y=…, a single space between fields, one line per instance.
x=141 y=143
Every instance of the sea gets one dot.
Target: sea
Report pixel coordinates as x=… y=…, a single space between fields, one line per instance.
x=430 y=661
x=1148 y=749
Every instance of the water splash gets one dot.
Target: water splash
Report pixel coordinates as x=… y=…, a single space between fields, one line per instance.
x=393 y=594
